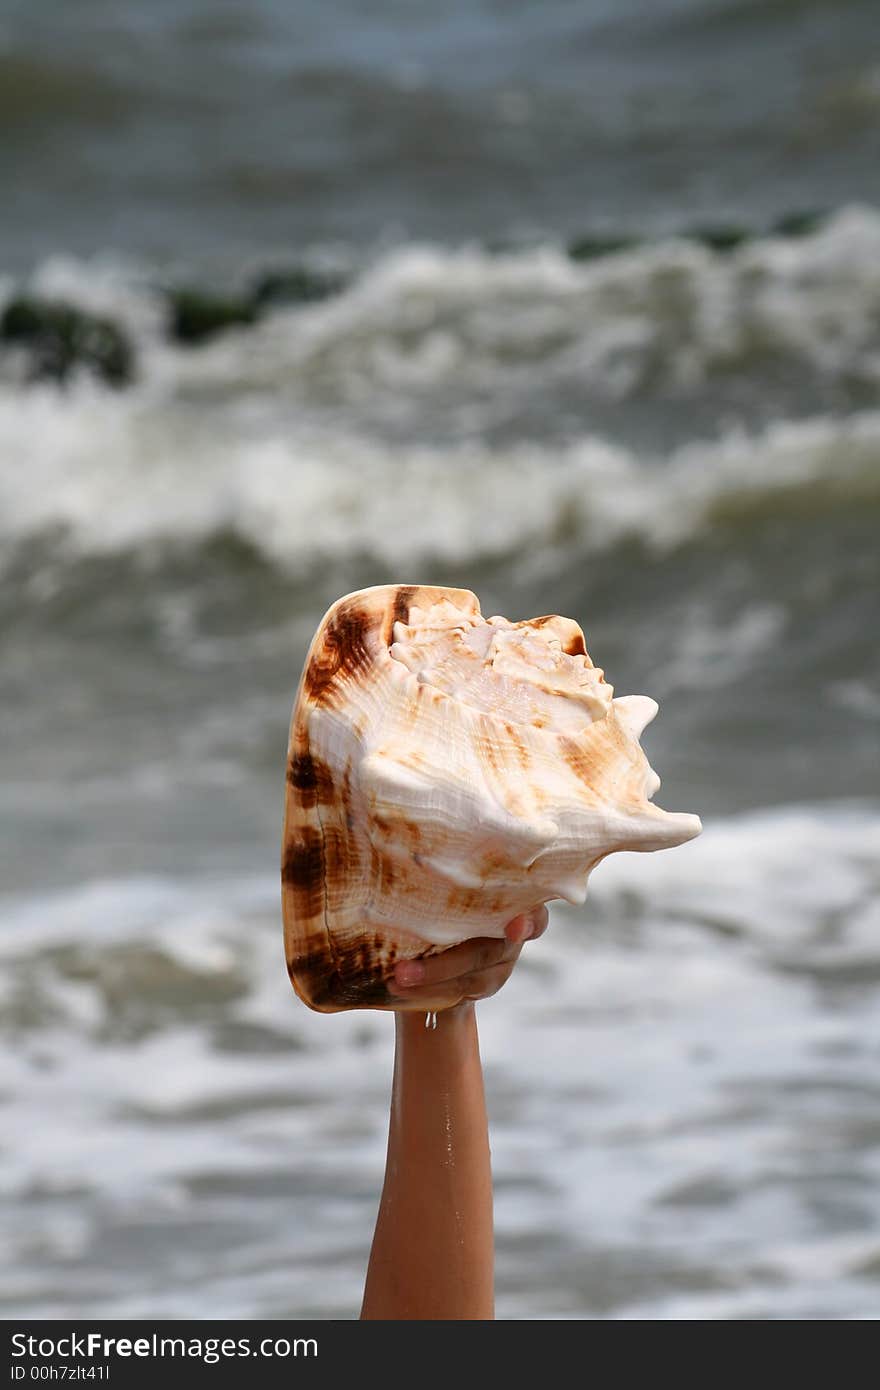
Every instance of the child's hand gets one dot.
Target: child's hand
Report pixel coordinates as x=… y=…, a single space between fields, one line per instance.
x=472 y=970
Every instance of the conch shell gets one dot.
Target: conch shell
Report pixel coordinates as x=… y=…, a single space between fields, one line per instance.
x=445 y=773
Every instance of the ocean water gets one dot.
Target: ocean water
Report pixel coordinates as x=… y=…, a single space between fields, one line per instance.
x=678 y=446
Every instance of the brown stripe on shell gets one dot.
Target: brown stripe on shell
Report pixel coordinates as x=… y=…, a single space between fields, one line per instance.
x=400 y=608
x=493 y=862
x=303 y=867
x=487 y=742
x=474 y=901
x=582 y=761
x=573 y=645
x=312 y=779
x=342 y=859
x=412 y=832
x=345 y=800
x=384 y=873
x=344 y=652
x=520 y=748
x=351 y=977
x=590 y=759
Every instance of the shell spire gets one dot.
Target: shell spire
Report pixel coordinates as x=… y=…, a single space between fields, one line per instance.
x=445 y=772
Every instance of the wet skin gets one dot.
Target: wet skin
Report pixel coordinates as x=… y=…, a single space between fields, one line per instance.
x=433 y=1249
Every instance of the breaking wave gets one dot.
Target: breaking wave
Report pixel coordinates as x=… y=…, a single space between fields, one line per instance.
x=407 y=418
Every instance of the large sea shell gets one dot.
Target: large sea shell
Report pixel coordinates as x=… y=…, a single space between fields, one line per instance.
x=445 y=773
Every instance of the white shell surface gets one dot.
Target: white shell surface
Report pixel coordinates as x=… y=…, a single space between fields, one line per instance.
x=446 y=772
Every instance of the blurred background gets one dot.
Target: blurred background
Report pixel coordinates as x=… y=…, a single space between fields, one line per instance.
x=573 y=304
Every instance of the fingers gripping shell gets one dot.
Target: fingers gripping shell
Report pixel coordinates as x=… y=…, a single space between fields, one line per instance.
x=445 y=773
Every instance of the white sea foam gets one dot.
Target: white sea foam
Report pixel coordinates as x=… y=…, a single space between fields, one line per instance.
x=113 y=474
x=423 y=315
x=263 y=432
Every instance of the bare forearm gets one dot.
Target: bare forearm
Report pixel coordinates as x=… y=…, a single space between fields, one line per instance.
x=432 y=1254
